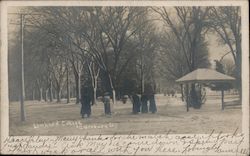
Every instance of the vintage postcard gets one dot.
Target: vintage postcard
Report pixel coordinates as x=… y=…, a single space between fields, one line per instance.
x=125 y=77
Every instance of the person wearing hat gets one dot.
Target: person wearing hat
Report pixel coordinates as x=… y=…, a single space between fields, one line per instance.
x=150 y=94
x=136 y=103
x=106 y=101
x=86 y=98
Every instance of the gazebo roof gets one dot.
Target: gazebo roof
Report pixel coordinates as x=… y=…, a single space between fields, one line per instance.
x=205 y=75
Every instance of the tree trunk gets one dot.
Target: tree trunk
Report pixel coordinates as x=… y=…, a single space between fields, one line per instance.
x=222 y=99
x=238 y=64
x=95 y=88
x=238 y=76
x=51 y=91
x=142 y=73
x=68 y=94
x=182 y=96
x=113 y=91
x=58 y=95
x=78 y=87
x=114 y=100
x=68 y=91
x=73 y=92
x=33 y=94
x=54 y=93
x=142 y=81
x=94 y=98
x=187 y=96
x=46 y=95
x=41 y=94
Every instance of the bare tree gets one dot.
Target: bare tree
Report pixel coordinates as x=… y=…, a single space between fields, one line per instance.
x=113 y=28
x=100 y=32
x=188 y=26
x=94 y=71
x=172 y=57
x=63 y=24
x=189 y=30
x=58 y=70
x=147 y=46
x=227 y=23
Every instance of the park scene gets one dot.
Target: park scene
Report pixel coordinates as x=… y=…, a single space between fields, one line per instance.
x=79 y=70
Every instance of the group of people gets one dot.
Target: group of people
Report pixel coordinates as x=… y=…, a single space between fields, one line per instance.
x=87 y=98
x=140 y=103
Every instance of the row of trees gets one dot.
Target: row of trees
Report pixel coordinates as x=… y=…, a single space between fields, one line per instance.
x=93 y=43
x=118 y=49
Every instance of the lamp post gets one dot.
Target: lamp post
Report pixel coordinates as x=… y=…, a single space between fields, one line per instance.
x=22 y=98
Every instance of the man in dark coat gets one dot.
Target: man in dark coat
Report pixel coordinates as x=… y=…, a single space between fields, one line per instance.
x=106 y=101
x=152 y=105
x=150 y=91
x=136 y=104
x=144 y=103
x=86 y=98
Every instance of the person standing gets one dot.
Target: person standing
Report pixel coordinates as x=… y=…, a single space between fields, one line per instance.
x=86 y=98
x=150 y=93
x=136 y=104
x=106 y=101
x=144 y=104
x=152 y=105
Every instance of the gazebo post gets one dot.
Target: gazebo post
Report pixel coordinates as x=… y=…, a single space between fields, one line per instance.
x=222 y=99
x=182 y=97
x=187 y=100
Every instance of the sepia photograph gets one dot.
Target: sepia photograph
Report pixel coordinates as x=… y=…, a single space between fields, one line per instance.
x=125 y=70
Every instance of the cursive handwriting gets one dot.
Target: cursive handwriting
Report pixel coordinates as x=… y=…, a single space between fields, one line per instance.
x=157 y=144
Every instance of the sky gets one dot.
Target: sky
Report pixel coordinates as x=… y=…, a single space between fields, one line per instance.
x=216 y=50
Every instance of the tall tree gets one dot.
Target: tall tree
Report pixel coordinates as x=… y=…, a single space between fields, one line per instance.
x=58 y=68
x=188 y=25
x=189 y=29
x=148 y=41
x=64 y=24
x=172 y=62
x=227 y=24
x=94 y=72
x=113 y=28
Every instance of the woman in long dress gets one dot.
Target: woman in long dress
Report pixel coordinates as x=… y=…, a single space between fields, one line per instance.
x=86 y=98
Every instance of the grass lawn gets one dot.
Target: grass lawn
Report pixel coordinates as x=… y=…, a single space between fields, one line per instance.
x=64 y=119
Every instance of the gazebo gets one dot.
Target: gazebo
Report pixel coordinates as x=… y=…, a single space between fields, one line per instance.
x=204 y=75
